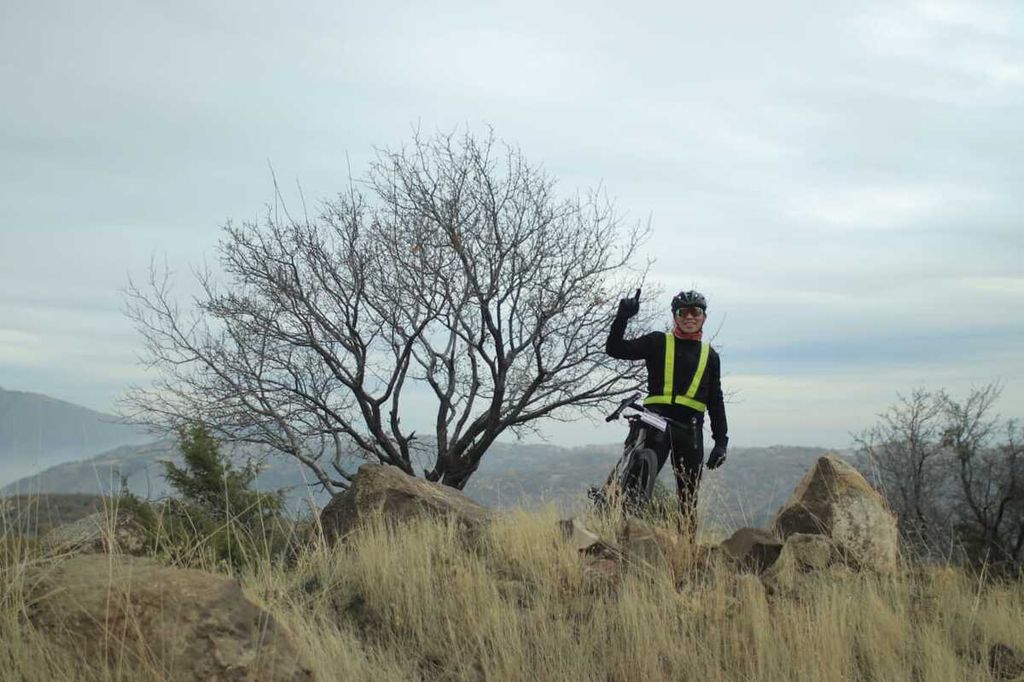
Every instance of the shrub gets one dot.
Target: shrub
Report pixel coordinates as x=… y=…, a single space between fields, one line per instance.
x=216 y=515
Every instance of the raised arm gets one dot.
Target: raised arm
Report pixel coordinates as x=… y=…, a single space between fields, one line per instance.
x=616 y=345
x=622 y=348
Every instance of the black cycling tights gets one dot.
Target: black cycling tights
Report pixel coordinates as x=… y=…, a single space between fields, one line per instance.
x=686 y=444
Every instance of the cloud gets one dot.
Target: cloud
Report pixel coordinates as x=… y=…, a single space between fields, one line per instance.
x=1011 y=288
x=978 y=43
x=886 y=206
x=842 y=180
x=19 y=348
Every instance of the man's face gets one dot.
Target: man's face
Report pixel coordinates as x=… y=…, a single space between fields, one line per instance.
x=690 y=319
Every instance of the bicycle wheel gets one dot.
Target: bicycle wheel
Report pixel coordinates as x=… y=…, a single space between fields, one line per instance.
x=637 y=478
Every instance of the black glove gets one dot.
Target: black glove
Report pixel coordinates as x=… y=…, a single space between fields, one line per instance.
x=717 y=457
x=628 y=307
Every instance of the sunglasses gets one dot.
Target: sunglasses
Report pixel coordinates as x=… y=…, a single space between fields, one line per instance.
x=690 y=311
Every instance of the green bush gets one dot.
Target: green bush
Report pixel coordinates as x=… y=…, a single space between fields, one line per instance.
x=216 y=514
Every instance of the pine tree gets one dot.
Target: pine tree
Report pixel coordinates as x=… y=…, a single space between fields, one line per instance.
x=216 y=514
x=209 y=481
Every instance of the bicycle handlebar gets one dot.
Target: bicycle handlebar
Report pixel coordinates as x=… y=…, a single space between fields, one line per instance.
x=628 y=402
x=631 y=402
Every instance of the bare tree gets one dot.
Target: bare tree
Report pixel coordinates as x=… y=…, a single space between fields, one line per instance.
x=451 y=276
x=990 y=469
x=904 y=454
x=953 y=472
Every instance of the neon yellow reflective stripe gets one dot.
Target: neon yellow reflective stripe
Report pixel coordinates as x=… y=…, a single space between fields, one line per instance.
x=690 y=402
x=670 y=362
x=699 y=374
x=680 y=400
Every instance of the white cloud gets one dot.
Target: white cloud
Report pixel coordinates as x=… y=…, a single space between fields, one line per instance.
x=976 y=41
x=21 y=348
x=1010 y=287
x=987 y=17
x=825 y=172
x=885 y=206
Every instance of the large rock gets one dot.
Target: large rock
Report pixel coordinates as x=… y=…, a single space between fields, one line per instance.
x=119 y=532
x=833 y=499
x=807 y=552
x=380 y=489
x=191 y=625
x=753 y=548
x=804 y=557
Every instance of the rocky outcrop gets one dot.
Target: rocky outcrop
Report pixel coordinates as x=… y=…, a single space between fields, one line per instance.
x=114 y=532
x=834 y=500
x=804 y=556
x=378 y=489
x=753 y=548
x=806 y=552
x=135 y=613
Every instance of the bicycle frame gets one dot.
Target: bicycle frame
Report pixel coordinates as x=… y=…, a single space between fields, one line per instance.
x=635 y=455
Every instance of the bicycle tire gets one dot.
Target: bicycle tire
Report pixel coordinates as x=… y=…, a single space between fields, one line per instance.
x=637 y=478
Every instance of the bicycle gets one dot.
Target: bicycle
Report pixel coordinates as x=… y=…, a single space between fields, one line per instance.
x=631 y=481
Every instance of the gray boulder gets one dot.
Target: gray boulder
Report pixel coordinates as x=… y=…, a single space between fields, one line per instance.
x=753 y=548
x=804 y=557
x=385 y=490
x=807 y=552
x=834 y=500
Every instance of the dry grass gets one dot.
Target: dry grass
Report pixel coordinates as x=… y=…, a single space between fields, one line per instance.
x=423 y=602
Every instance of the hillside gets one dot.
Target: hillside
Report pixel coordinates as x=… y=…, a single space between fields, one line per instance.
x=37 y=431
x=746 y=491
x=513 y=600
x=35 y=515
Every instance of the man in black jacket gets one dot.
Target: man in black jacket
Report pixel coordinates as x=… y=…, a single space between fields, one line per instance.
x=691 y=386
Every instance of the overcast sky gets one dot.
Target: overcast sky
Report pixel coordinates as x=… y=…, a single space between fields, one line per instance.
x=843 y=180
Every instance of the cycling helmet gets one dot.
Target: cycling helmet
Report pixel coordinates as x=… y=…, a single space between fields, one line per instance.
x=689 y=298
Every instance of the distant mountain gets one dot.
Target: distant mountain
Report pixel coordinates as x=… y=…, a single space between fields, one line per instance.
x=142 y=468
x=746 y=491
x=34 y=515
x=37 y=432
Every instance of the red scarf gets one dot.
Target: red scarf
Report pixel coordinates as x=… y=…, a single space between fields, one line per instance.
x=695 y=336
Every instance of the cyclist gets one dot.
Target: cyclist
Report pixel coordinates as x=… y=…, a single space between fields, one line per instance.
x=691 y=386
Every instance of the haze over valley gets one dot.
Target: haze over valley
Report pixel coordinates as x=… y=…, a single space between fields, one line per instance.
x=52 y=446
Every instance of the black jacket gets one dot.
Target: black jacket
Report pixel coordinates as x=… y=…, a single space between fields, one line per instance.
x=651 y=349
